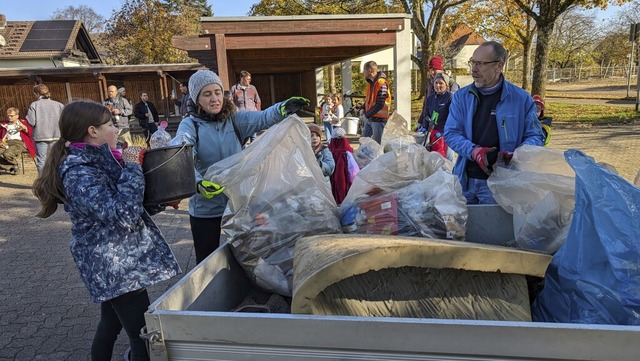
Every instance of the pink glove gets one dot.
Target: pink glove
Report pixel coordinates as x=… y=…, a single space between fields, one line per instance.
x=133 y=154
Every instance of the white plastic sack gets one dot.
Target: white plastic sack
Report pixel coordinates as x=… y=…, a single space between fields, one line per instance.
x=367 y=151
x=395 y=170
x=396 y=134
x=531 y=158
x=277 y=194
x=541 y=202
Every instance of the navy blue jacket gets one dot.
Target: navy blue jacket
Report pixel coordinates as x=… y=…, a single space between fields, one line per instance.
x=436 y=107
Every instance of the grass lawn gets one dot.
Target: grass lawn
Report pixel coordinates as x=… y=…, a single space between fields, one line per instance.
x=568 y=114
x=565 y=113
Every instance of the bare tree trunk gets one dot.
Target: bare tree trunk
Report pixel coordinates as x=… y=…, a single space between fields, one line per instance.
x=424 y=79
x=526 y=63
x=332 y=79
x=539 y=83
x=527 y=50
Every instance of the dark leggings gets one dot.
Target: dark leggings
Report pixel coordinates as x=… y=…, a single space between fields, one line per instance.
x=206 y=235
x=126 y=310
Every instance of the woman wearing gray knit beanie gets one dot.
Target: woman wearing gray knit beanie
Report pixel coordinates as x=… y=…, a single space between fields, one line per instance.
x=217 y=130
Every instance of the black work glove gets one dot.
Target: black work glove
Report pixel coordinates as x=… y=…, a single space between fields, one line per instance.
x=292 y=105
x=505 y=157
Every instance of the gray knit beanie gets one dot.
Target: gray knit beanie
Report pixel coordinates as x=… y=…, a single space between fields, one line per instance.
x=199 y=80
x=442 y=76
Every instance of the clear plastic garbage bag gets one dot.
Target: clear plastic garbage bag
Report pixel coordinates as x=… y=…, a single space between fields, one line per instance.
x=160 y=138
x=594 y=277
x=540 y=200
x=277 y=195
x=396 y=134
x=367 y=151
x=408 y=193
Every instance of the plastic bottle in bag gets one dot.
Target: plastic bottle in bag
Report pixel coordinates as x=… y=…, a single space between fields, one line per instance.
x=160 y=138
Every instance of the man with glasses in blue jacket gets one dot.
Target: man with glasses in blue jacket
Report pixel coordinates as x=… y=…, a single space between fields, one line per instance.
x=489 y=117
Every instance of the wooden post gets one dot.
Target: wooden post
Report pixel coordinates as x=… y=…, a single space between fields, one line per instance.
x=164 y=93
x=221 y=59
x=402 y=72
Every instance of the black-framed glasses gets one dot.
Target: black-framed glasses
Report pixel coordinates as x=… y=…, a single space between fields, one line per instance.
x=481 y=63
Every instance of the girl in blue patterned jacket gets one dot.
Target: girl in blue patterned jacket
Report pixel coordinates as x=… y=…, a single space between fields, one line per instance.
x=117 y=248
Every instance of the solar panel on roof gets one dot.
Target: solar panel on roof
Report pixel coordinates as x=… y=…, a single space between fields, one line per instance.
x=48 y=35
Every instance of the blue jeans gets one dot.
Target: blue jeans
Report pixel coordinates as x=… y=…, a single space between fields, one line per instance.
x=42 y=149
x=478 y=192
x=328 y=131
x=375 y=129
x=366 y=129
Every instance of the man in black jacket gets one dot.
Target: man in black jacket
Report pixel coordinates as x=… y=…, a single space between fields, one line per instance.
x=182 y=102
x=147 y=115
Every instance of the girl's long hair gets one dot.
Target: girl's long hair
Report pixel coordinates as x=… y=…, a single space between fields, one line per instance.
x=75 y=120
x=337 y=96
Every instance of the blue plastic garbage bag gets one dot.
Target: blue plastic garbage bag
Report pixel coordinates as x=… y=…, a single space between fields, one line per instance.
x=595 y=276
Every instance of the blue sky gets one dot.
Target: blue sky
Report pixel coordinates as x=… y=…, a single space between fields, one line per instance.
x=42 y=10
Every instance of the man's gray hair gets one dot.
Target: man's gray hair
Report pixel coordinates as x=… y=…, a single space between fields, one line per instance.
x=370 y=65
x=499 y=52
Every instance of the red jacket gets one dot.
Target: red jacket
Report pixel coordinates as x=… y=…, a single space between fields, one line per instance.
x=339 y=180
x=26 y=136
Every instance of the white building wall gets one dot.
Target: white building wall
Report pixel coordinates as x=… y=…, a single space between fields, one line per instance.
x=383 y=58
x=461 y=60
x=39 y=63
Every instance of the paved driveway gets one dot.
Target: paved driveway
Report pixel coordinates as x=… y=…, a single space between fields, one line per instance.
x=45 y=311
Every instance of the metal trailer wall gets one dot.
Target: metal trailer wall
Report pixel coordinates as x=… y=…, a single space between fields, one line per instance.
x=192 y=321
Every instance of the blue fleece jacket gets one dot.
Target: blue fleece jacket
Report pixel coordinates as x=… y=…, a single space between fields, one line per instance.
x=217 y=140
x=516 y=116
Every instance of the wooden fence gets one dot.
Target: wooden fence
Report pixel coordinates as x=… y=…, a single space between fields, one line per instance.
x=21 y=95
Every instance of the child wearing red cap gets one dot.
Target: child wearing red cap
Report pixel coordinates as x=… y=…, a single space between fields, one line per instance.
x=436 y=65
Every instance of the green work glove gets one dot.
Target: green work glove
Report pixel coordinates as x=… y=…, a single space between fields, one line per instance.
x=292 y=105
x=209 y=189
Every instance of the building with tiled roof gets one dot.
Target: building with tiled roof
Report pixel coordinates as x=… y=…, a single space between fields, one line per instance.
x=48 y=44
x=462 y=42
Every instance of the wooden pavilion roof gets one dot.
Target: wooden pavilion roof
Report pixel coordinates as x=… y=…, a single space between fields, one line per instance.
x=288 y=44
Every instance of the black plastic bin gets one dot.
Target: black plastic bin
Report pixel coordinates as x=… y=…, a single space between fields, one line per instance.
x=168 y=174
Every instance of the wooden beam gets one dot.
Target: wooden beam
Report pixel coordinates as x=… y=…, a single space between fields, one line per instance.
x=304 y=26
x=102 y=83
x=321 y=41
x=283 y=69
x=191 y=43
x=294 y=63
x=221 y=56
x=335 y=52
